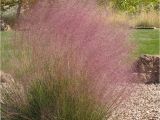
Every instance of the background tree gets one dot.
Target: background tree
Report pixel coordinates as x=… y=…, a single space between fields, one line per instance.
x=25 y=5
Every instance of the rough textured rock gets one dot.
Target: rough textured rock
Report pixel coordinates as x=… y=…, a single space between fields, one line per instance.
x=146 y=69
x=8 y=86
x=6 y=82
x=4 y=26
x=5 y=78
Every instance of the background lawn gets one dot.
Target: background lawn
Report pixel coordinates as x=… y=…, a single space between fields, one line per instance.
x=147 y=43
x=5 y=49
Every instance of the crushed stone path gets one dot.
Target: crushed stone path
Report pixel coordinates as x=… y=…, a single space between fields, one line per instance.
x=143 y=104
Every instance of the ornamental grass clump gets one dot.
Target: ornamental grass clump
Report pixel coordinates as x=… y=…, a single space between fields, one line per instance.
x=69 y=66
x=146 y=19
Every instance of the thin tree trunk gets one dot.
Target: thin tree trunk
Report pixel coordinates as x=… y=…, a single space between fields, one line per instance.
x=19 y=8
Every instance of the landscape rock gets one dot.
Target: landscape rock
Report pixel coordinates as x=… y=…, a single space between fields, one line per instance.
x=146 y=69
x=4 y=26
x=5 y=78
x=8 y=86
x=6 y=81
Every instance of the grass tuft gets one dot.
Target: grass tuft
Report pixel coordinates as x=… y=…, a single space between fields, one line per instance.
x=69 y=64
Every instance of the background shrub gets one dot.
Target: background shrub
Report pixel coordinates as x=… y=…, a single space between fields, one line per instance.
x=132 y=6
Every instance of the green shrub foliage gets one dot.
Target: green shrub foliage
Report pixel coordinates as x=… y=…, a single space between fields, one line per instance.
x=132 y=5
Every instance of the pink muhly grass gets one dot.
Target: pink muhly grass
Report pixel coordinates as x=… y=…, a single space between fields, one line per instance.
x=74 y=42
x=77 y=35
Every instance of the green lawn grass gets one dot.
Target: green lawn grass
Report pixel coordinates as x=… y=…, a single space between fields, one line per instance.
x=147 y=41
x=6 y=49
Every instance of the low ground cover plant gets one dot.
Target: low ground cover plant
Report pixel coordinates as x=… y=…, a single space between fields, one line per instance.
x=69 y=64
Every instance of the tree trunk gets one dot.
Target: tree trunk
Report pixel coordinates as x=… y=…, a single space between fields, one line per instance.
x=19 y=8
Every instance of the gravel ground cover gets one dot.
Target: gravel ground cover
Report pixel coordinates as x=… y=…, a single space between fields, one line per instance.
x=143 y=104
